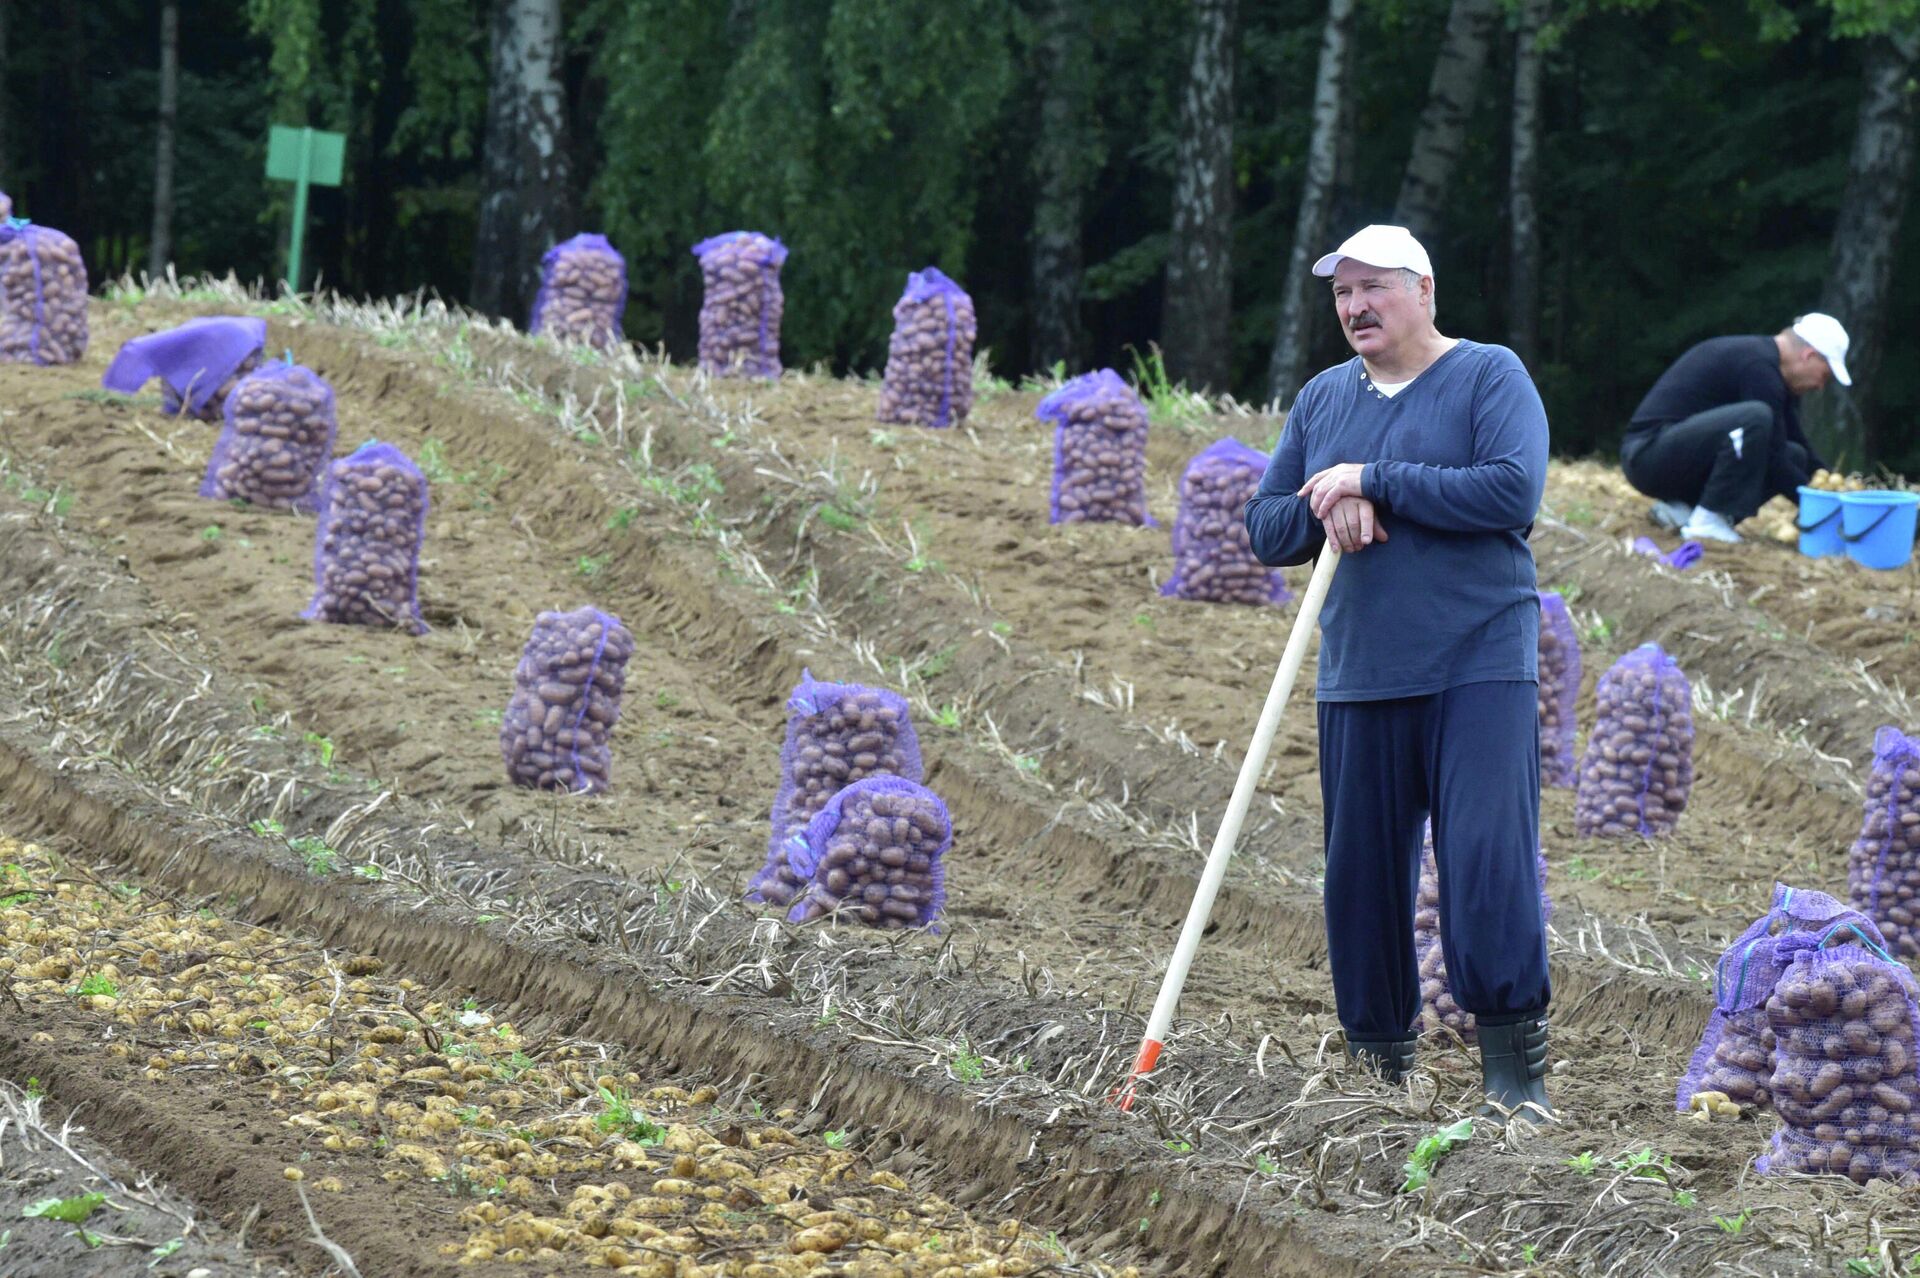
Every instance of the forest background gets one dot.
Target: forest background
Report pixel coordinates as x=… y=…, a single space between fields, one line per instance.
x=1600 y=182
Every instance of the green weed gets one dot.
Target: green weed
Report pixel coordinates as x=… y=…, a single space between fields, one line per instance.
x=1430 y=1150
x=590 y=565
x=947 y=716
x=210 y=533
x=622 y=519
x=620 y=1117
x=319 y=858
x=967 y=1066
x=96 y=984
x=835 y=1140
x=70 y=1211
x=1733 y=1225
x=837 y=519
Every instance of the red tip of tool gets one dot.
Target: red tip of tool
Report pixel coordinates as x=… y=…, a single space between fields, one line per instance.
x=1142 y=1066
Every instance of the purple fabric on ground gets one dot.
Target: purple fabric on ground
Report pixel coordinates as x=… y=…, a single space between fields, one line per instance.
x=195 y=360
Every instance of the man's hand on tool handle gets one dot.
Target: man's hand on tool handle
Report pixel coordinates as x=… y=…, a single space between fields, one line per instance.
x=1335 y=498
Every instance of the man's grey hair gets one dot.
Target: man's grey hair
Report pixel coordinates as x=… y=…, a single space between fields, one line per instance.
x=1411 y=279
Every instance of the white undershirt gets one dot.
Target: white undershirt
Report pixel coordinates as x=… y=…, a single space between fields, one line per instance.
x=1390 y=389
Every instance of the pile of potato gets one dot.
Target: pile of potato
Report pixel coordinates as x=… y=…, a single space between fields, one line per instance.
x=930 y=355
x=1559 y=690
x=1833 y=482
x=837 y=734
x=278 y=439
x=366 y=560
x=1843 y=1080
x=741 y=308
x=43 y=296
x=1212 y=558
x=583 y=292
x=875 y=851
x=1437 y=1005
x=1883 y=866
x=1638 y=769
x=1099 y=451
x=566 y=701
x=1735 y=1059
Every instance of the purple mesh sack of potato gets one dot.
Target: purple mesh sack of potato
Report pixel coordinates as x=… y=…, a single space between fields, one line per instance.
x=1559 y=690
x=566 y=701
x=274 y=449
x=930 y=355
x=877 y=853
x=1735 y=1056
x=1099 y=451
x=583 y=292
x=741 y=308
x=1437 y=1005
x=837 y=734
x=366 y=554
x=1638 y=769
x=1883 y=866
x=199 y=363
x=1212 y=557
x=1842 y=1015
x=43 y=295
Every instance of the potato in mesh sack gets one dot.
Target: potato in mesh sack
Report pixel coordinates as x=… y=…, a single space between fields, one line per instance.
x=1437 y=1006
x=1559 y=690
x=1883 y=866
x=43 y=295
x=274 y=449
x=366 y=555
x=583 y=292
x=929 y=378
x=1736 y=1054
x=837 y=734
x=1638 y=769
x=875 y=852
x=1099 y=451
x=199 y=363
x=741 y=308
x=1212 y=557
x=1843 y=1021
x=566 y=701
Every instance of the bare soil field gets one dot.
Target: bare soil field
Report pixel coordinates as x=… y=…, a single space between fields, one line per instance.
x=329 y=804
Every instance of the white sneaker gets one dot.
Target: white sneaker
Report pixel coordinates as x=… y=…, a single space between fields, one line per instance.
x=1670 y=514
x=1710 y=526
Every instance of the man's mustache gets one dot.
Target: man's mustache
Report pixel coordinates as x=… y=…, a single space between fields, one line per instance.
x=1366 y=319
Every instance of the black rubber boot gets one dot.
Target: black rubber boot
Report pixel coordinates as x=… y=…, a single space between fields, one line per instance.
x=1513 y=1065
x=1390 y=1059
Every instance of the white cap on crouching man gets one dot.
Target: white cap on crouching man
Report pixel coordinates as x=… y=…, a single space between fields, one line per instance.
x=1394 y=248
x=1825 y=334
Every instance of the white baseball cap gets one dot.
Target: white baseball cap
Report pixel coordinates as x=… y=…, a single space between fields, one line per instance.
x=1825 y=334
x=1393 y=248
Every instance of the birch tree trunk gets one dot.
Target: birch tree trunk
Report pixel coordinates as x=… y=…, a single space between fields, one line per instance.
x=1286 y=371
x=1443 y=122
x=1867 y=233
x=160 y=242
x=1195 y=329
x=526 y=202
x=1523 y=176
x=1060 y=165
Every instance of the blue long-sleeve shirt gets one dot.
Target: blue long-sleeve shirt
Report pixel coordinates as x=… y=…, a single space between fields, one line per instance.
x=1455 y=467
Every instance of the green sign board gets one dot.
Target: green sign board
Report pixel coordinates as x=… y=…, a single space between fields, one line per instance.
x=306 y=158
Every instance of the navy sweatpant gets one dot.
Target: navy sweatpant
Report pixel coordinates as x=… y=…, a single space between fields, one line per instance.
x=1470 y=758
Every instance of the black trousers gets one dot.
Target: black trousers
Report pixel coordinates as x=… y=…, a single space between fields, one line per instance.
x=1728 y=459
x=1470 y=758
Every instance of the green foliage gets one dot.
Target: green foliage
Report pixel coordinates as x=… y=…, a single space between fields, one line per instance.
x=620 y=1118
x=70 y=1211
x=97 y=983
x=1430 y=1150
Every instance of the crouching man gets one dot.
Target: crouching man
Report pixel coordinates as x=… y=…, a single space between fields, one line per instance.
x=1719 y=432
x=1424 y=459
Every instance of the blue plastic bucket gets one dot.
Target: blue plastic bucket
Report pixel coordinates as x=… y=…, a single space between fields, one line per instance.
x=1878 y=527
x=1819 y=523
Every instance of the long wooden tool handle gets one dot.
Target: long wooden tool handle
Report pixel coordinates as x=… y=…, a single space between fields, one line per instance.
x=1229 y=833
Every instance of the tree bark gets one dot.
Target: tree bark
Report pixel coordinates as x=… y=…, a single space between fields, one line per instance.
x=1060 y=168
x=1872 y=209
x=1287 y=369
x=1523 y=175
x=526 y=200
x=160 y=243
x=1443 y=123
x=1195 y=329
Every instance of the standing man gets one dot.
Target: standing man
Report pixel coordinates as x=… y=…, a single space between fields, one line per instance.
x=1719 y=433
x=1423 y=458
